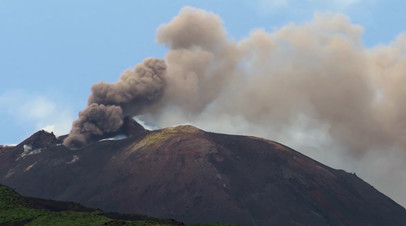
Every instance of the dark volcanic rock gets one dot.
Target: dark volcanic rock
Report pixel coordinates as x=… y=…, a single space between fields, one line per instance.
x=40 y=139
x=193 y=176
x=130 y=127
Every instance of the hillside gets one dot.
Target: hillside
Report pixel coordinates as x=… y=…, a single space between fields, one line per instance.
x=194 y=176
x=18 y=210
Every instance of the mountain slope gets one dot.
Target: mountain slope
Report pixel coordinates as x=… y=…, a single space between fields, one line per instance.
x=19 y=210
x=194 y=176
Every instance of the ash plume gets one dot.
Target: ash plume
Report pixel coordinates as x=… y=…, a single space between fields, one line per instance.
x=136 y=88
x=95 y=120
x=313 y=86
x=110 y=103
x=317 y=73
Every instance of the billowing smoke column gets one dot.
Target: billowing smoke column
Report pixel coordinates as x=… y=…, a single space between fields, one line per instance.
x=316 y=75
x=135 y=89
x=313 y=86
x=109 y=103
x=94 y=121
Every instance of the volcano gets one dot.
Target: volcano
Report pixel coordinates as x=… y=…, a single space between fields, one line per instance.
x=195 y=176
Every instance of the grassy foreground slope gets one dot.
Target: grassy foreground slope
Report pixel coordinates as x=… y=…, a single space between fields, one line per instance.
x=18 y=210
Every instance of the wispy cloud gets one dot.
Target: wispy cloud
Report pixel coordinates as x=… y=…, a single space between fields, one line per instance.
x=37 y=111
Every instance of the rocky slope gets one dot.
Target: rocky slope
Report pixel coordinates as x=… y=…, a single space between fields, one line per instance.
x=195 y=176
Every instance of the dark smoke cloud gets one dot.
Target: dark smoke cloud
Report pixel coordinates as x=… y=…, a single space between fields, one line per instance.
x=136 y=88
x=109 y=103
x=201 y=61
x=94 y=121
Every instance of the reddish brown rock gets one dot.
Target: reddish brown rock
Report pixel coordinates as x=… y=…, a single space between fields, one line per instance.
x=194 y=176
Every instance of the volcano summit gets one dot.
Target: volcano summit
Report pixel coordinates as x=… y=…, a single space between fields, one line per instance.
x=196 y=176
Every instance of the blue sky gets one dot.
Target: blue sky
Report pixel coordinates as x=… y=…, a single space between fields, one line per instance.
x=51 y=52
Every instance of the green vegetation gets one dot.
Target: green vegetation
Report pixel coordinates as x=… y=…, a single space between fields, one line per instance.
x=18 y=210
